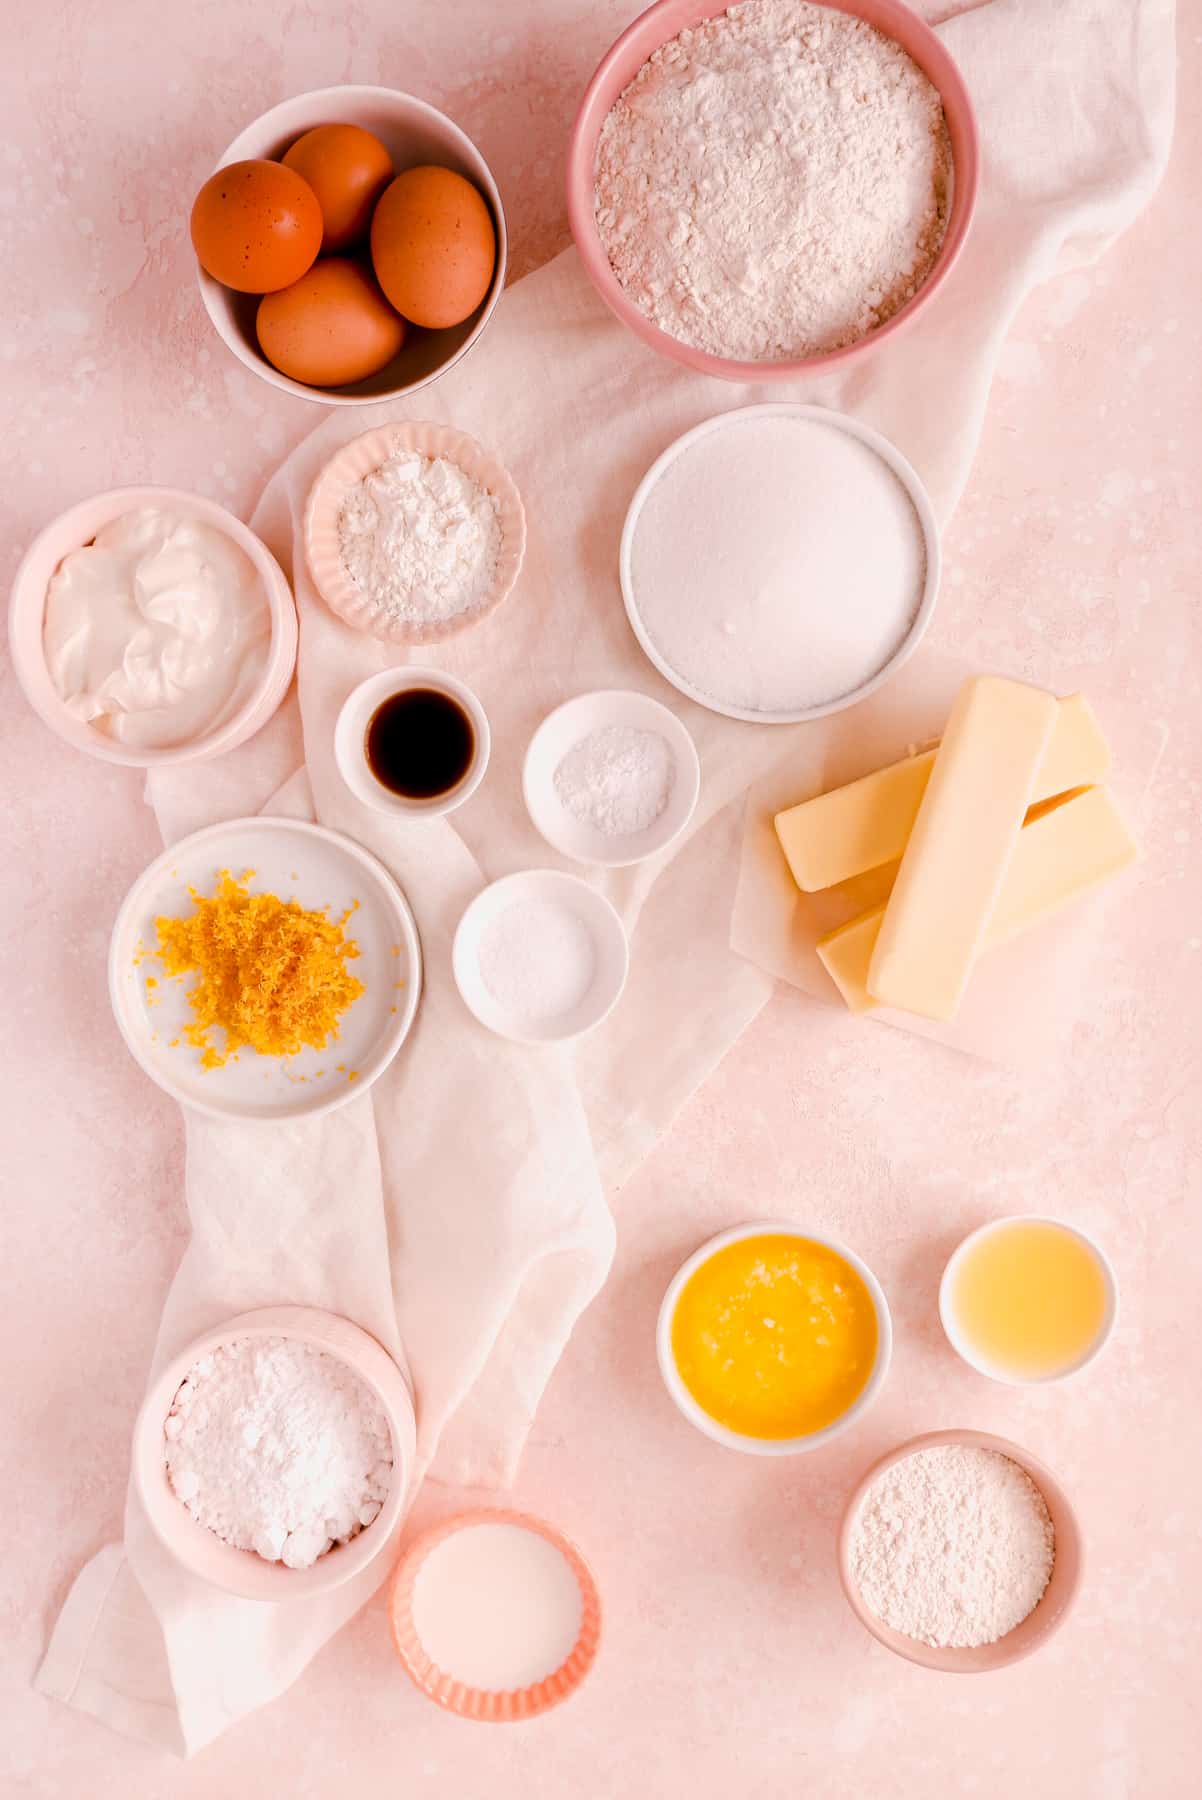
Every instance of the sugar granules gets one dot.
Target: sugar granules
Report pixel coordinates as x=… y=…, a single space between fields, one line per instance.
x=420 y=539
x=617 y=779
x=953 y=1546
x=774 y=182
x=537 y=960
x=777 y=563
x=278 y=1448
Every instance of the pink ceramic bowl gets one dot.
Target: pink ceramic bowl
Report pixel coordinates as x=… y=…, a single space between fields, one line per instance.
x=657 y=26
x=357 y=459
x=1058 y=1597
x=414 y=133
x=241 y=1572
x=491 y=1706
x=27 y=609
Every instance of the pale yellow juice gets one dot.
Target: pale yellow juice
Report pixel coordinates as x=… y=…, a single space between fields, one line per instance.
x=1030 y=1299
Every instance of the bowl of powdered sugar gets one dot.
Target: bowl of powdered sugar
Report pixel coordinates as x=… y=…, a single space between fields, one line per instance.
x=414 y=532
x=763 y=189
x=611 y=778
x=960 y=1551
x=272 y=1456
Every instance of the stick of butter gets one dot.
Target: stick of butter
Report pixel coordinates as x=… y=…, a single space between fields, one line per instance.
x=967 y=827
x=1060 y=856
x=868 y=822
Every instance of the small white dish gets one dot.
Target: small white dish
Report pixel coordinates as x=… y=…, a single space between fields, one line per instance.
x=960 y=1342
x=927 y=525
x=737 y=1440
x=350 y=734
x=610 y=949
x=566 y=727
x=288 y=857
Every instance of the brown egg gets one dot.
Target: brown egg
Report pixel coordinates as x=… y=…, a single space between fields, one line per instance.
x=433 y=246
x=256 y=226
x=331 y=327
x=348 y=169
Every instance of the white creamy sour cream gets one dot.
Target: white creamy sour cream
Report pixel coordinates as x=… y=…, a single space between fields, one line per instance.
x=157 y=630
x=497 y=1607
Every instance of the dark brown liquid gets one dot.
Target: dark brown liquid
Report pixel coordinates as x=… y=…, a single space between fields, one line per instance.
x=419 y=743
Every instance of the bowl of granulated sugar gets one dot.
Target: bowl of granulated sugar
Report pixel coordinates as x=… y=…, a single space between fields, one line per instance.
x=779 y=562
x=765 y=190
x=272 y=1455
x=960 y=1551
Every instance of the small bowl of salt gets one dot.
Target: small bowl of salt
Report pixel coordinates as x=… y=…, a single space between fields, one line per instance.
x=611 y=778
x=540 y=957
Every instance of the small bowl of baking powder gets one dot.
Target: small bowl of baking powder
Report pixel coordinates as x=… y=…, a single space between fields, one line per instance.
x=960 y=1551
x=611 y=778
x=273 y=1455
x=413 y=532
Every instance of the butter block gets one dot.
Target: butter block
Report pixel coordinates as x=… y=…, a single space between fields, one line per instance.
x=965 y=834
x=1061 y=855
x=868 y=822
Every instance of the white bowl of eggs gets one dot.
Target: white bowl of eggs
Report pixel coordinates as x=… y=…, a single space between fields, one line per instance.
x=351 y=245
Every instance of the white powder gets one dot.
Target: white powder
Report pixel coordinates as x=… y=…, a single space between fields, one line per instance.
x=777 y=563
x=953 y=1546
x=774 y=182
x=278 y=1448
x=420 y=539
x=537 y=960
x=618 y=780
x=497 y=1607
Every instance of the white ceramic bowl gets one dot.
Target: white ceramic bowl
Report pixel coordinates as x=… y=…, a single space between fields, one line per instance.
x=241 y=1572
x=351 y=731
x=27 y=613
x=738 y=1440
x=609 y=945
x=909 y=479
x=359 y=458
x=415 y=133
x=322 y=869
x=561 y=730
x=960 y=1342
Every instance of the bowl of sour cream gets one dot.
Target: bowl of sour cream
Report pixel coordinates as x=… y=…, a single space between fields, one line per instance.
x=149 y=626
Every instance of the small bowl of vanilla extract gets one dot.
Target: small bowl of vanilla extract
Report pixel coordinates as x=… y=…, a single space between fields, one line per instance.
x=412 y=741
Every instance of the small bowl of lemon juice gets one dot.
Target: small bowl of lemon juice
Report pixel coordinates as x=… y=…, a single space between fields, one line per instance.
x=1028 y=1300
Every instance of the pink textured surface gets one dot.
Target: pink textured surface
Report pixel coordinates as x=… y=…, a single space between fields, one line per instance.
x=730 y=1662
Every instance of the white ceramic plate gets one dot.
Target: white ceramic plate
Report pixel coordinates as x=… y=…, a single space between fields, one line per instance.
x=609 y=947
x=909 y=480
x=320 y=868
x=561 y=730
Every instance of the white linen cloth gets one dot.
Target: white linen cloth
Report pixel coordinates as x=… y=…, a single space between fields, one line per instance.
x=458 y=1210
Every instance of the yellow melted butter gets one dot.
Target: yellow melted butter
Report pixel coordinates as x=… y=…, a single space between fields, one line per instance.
x=774 y=1336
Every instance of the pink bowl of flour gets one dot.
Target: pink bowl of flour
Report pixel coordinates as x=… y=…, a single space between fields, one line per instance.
x=242 y=1572
x=658 y=26
x=1049 y=1612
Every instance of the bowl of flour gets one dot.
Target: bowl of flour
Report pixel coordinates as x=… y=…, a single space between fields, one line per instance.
x=960 y=1551
x=770 y=188
x=272 y=1456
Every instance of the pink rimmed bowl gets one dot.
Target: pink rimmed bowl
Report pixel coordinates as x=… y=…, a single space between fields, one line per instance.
x=27 y=613
x=242 y=1572
x=358 y=458
x=492 y=1706
x=622 y=62
x=1050 y=1611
